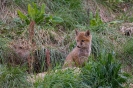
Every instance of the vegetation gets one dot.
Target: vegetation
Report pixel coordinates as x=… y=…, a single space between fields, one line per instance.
x=62 y=79
x=104 y=73
x=11 y=77
x=45 y=44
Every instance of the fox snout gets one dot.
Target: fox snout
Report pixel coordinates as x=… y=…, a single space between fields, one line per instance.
x=78 y=46
x=81 y=44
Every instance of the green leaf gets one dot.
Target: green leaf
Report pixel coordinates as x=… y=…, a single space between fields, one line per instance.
x=21 y=15
x=35 y=8
x=31 y=12
x=57 y=19
x=93 y=22
x=43 y=9
x=39 y=19
x=40 y=15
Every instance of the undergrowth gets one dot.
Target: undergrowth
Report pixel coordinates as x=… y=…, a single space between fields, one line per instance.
x=70 y=10
x=103 y=72
x=13 y=77
x=61 y=79
x=100 y=71
x=106 y=72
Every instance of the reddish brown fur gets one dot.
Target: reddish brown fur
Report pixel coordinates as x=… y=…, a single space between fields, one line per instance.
x=79 y=55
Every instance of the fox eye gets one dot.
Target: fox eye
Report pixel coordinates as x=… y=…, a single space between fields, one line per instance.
x=82 y=40
x=20 y=47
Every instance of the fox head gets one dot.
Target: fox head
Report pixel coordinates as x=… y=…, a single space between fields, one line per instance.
x=83 y=39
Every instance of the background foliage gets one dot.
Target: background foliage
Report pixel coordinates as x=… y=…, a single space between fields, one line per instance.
x=54 y=30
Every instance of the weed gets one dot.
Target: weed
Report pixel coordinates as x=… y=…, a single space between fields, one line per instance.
x=38 y=15
x=96 y=23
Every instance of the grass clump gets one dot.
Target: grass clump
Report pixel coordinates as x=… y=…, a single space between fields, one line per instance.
x=104 y=73
x=128 y=48
x=3 y=48
x=126 y=55
x=101 y=42
x=13 y=77
x=61 y=79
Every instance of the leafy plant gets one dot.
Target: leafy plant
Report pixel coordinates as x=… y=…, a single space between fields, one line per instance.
x=96 y=23
x=38 y=15
x=105 y=73
x=33 y=14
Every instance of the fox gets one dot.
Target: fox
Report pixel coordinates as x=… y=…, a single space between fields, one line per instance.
x=79 y=55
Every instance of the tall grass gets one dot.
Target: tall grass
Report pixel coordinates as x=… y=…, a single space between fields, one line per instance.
x=56 y=59
x=106 y=72
x=13 y=77
x=3 y=49
x=101 y=42
x=70 y=10
x=127 y=55
x=128 y=48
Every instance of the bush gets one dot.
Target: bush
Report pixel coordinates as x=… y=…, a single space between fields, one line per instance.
x=105 y=73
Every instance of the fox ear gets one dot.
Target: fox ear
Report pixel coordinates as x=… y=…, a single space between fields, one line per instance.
x=87 y=33
x=77 y=32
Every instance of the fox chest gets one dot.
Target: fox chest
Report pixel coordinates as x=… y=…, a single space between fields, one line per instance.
x=83 y=53
x=81 y=57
